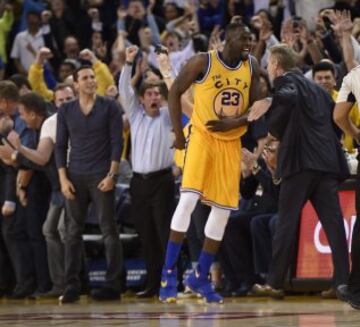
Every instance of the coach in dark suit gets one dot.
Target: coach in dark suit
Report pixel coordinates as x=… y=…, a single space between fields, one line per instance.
x=311 y=164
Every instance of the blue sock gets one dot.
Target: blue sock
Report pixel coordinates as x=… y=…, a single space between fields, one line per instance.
x=205 y=261
x=172 y=254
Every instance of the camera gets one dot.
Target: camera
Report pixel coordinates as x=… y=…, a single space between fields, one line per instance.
x=160 y=49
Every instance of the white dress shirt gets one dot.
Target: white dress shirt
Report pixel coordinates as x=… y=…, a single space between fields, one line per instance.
x=25 y=47
x=350 y=87
x=151 y=137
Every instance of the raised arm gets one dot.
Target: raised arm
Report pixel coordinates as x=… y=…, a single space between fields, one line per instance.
x=128 y=97
x=36 y=74
x=190 y=72
x=168 y=76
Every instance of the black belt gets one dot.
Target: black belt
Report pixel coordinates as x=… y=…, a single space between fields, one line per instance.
x=153 y=174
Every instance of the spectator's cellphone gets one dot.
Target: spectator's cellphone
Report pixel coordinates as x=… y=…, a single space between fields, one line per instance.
x=327 y=22
x=160 y=49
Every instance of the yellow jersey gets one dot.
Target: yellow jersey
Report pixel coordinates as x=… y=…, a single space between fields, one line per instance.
x=222 y=92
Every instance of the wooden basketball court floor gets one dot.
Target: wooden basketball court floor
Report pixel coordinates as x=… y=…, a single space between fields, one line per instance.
x=260 y=312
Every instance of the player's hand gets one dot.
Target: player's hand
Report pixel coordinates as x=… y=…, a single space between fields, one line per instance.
x=258 y=109
x=67 y=188
x=221 y=125
x=107 y=184
x=179 y=142
x=130 y=53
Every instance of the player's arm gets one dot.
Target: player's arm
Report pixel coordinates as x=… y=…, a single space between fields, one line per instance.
x=344 y=103
x=342 y=119
x=227 y=124
x=190 y=72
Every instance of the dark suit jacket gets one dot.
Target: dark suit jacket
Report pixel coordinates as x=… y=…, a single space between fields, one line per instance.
x=301 y=118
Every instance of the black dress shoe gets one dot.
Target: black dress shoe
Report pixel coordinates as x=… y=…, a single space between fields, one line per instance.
x=70 y=295
x=147 y=293
x=21 y=293
x=243 y=290
x=229 y=289
x=342 y=293
x=354 y=301
x=329 y=293
x=105 y=294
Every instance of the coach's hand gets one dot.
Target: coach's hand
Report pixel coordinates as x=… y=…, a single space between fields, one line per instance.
x=258 y=109
x=107 y=184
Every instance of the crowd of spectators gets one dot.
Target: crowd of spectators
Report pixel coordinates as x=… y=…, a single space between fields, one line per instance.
x=43 y=43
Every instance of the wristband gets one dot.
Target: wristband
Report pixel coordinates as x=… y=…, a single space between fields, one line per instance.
x=113 y=176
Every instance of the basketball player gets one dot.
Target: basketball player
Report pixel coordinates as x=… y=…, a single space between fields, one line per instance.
x=225 y=84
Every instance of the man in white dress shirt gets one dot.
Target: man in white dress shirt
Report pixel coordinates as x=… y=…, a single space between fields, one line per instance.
x=27 y=43
x=152 y=186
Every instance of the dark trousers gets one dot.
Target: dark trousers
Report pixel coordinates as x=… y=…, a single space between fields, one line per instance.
x=152 y=208
x=236 y=251
x=17 y=243
x=54 y=233
x=7 y=278
x=24 y=239
x=262 y=232
x=321 y=190
x=38 y=193
x=87 y=191
x=354 y=281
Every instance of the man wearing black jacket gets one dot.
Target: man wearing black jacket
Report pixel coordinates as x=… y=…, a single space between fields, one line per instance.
x=310 y=163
